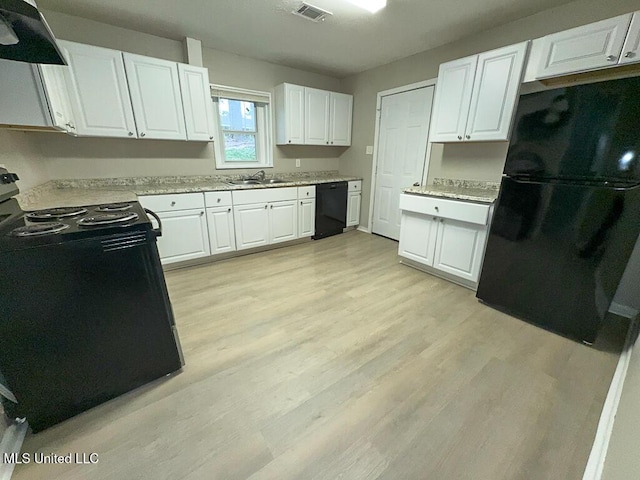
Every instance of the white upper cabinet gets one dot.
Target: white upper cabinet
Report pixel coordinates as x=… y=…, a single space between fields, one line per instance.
x=453 y=98
x=98 y=91
x=156 y=97
x=316 y=116
x=476 y=96
x=589 y=47
x=341 y=117
x=57 y=96
x=310 y=116
x=631 y=48
x=495 y=91
x=196 y=98
x=289 y=114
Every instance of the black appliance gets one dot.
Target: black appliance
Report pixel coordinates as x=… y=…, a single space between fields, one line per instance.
x=568 y=213
x=331 y=209
x=85 y=314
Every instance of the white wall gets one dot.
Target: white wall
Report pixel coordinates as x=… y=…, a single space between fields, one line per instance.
x=20 y=152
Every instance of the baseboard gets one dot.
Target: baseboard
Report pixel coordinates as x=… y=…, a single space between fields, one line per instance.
x=363 y=229
x=623 y=310
x=595 y=465
x=11 y=443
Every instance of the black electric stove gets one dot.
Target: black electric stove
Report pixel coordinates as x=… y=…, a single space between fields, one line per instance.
x=86 y=314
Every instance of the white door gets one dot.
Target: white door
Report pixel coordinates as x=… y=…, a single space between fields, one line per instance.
x=459 y=248
x=453 y=99
x=418 y=239
x=307 y=218
x=631 y=48
x=222 y=237
x=402 y=149
x=316 y=116
x=294 y=112
x=155 y=96
x=588 y=47
x=495 y=91
x=283 y=221
x=252 y=225
x=353 y=208
x=98 y=91
x=196 y=99
x=184 y=236
x=341 y=113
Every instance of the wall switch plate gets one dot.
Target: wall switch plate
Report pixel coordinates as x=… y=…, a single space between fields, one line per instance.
x=369 y=149
x=298 y=162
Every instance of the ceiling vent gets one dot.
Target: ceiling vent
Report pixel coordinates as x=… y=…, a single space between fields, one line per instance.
x=312 y=13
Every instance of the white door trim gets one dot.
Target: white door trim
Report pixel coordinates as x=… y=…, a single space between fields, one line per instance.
x=376 y=138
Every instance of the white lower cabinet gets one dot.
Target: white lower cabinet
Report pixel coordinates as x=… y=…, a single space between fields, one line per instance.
x=307 y=217
x=353 y=208
x=222 y=237
x=283 y=221
x=184 y=236
x=251 y=225
x=452 y=245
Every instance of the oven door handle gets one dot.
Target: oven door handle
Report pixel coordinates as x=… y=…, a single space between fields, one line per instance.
x=157 y=231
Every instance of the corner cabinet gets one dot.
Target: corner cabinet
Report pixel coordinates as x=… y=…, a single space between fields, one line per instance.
x=155 y=95
x=444 y=237
x=476 y=96
x=310 y=116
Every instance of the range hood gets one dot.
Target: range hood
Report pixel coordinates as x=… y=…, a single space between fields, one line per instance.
x=25 y=35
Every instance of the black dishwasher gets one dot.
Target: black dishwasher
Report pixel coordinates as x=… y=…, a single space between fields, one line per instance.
x=331 y=209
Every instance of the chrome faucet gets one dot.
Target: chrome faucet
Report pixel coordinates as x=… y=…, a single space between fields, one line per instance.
x=257 y=176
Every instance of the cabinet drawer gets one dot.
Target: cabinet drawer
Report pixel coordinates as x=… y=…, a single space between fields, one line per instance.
x=453 y=209
x=261 y=195
x=217 y=199
x=307 y=192
x=355 y=186
x=175 y=201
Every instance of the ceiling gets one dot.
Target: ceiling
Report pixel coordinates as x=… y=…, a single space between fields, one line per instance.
x=348 y=42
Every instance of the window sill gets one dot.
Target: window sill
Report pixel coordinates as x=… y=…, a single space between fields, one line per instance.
x=241 y=166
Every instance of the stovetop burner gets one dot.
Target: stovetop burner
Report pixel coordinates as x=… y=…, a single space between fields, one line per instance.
x=114 y=207
x=47 y=228
x=107 y=219
x=53 y=213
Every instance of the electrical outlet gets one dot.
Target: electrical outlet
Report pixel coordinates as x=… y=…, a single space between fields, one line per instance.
x=369 y=149
x=298 y=162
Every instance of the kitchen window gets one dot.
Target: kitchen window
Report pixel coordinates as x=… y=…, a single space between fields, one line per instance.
x=243 y=124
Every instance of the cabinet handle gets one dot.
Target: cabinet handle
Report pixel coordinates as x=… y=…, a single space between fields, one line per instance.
x=437 y=209
x=289 y=141
x=70 y=125
x=201 y=213
x=300 y=203
x=219 y=200
x=435 y=218
x=211 y=138
x=611 y=58
x=229 y=210
x=272 y=207
x=331 y=143
x=629 y=55
x=142 y=134
x=468 y=137
x=265 y=207
x=173 y=204
x=442 y=220
x=131 y=134
x=459 y=137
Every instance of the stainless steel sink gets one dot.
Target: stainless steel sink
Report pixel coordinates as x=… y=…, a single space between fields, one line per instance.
x=245 y=182
x=274 y=180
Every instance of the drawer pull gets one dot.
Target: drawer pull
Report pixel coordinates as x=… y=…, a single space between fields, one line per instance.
x=173 y=204
x=219 y=200
x=437 y=209
x=229 y=210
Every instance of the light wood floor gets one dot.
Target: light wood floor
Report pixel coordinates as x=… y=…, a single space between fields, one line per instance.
x=329 y=360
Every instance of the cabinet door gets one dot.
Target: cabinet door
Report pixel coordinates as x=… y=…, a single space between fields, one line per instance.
x=222 y=237
x=98 y=91
x=283 y=221
x=353 y=208
x=341 y=112
x=252 y=225
x=459 y=248
x=495 y=91
x=155 y=96
x=184 y=236
x=316 y=116
x=417 y=237
x=631 y=48
x=196 y=100
x=55 y=90
x=307 y=218
x=292 y=115
x=453 y=99
x=588 y=47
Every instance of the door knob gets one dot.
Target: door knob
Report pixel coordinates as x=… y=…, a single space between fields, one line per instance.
x=611 y=58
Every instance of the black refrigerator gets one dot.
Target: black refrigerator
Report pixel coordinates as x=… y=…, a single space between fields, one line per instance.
x=568 y=213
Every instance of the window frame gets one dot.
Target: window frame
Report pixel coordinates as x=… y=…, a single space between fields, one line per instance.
x=263 y=121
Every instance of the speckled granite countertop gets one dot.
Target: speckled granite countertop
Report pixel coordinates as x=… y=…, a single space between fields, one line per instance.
x=469 y=190
x=82 y=192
